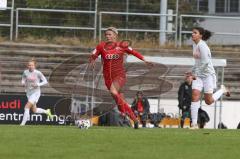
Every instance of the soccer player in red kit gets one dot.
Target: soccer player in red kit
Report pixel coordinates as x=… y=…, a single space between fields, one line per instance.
x=112 y=54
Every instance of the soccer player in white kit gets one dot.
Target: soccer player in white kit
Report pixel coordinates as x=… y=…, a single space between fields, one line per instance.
x=33 y=79
x=203 y=73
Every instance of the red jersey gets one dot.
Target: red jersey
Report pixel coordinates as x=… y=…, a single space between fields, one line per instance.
x=112 y=59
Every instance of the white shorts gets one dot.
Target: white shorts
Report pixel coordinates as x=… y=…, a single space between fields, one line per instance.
x=208 y=84
x=33 y=97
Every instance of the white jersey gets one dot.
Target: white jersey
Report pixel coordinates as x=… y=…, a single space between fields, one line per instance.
x=33 y=80
x=203 y=66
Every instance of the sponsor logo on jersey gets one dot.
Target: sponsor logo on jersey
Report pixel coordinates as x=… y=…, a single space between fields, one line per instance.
x=112 y=56
x=196 y=53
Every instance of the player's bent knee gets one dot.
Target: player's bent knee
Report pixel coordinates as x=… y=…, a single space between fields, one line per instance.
x=195 y=98
x=209 y=101
x=195 y=95
x=28 y=105
x=113 y=93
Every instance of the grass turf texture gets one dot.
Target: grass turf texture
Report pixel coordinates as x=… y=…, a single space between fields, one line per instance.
x=61 y=142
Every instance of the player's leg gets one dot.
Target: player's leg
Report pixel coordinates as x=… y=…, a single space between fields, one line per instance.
x=34 y=99
x=115 y=87
x=119 y=101
x=209 y=84
x=195 y=105
x=197 y=86
x=122 y=104
x=26 y=114
x=37 y=110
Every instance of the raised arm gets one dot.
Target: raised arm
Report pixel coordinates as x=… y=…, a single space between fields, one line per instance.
x=95 y=53
x=135 y=53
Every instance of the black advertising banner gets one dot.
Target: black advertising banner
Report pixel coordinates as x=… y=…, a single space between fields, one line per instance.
x=12 y=109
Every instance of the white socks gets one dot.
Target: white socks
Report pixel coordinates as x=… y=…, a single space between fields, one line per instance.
x=218 y=94
x=25 y=116
x=194 y=112
x=41 y=111
x=196 y=105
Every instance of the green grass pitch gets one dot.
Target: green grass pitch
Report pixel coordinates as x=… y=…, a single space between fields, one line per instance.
x=69 y=142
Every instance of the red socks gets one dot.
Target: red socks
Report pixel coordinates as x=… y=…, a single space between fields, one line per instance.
x=124 y=107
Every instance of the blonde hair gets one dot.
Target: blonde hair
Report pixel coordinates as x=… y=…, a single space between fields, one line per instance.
x=33 y=60
x=113 y=29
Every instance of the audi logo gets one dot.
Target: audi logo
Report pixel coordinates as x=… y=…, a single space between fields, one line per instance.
x=112 y=56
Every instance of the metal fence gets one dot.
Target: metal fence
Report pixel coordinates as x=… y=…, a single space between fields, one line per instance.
x=221 y=29
x=10 y=22
x=169 y=29
x=178 y=36
x=20 y=25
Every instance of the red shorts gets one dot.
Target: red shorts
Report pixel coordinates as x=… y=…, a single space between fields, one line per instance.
x=119 y=81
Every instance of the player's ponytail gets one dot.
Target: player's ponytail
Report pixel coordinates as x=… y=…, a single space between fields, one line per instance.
x=206 y=34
